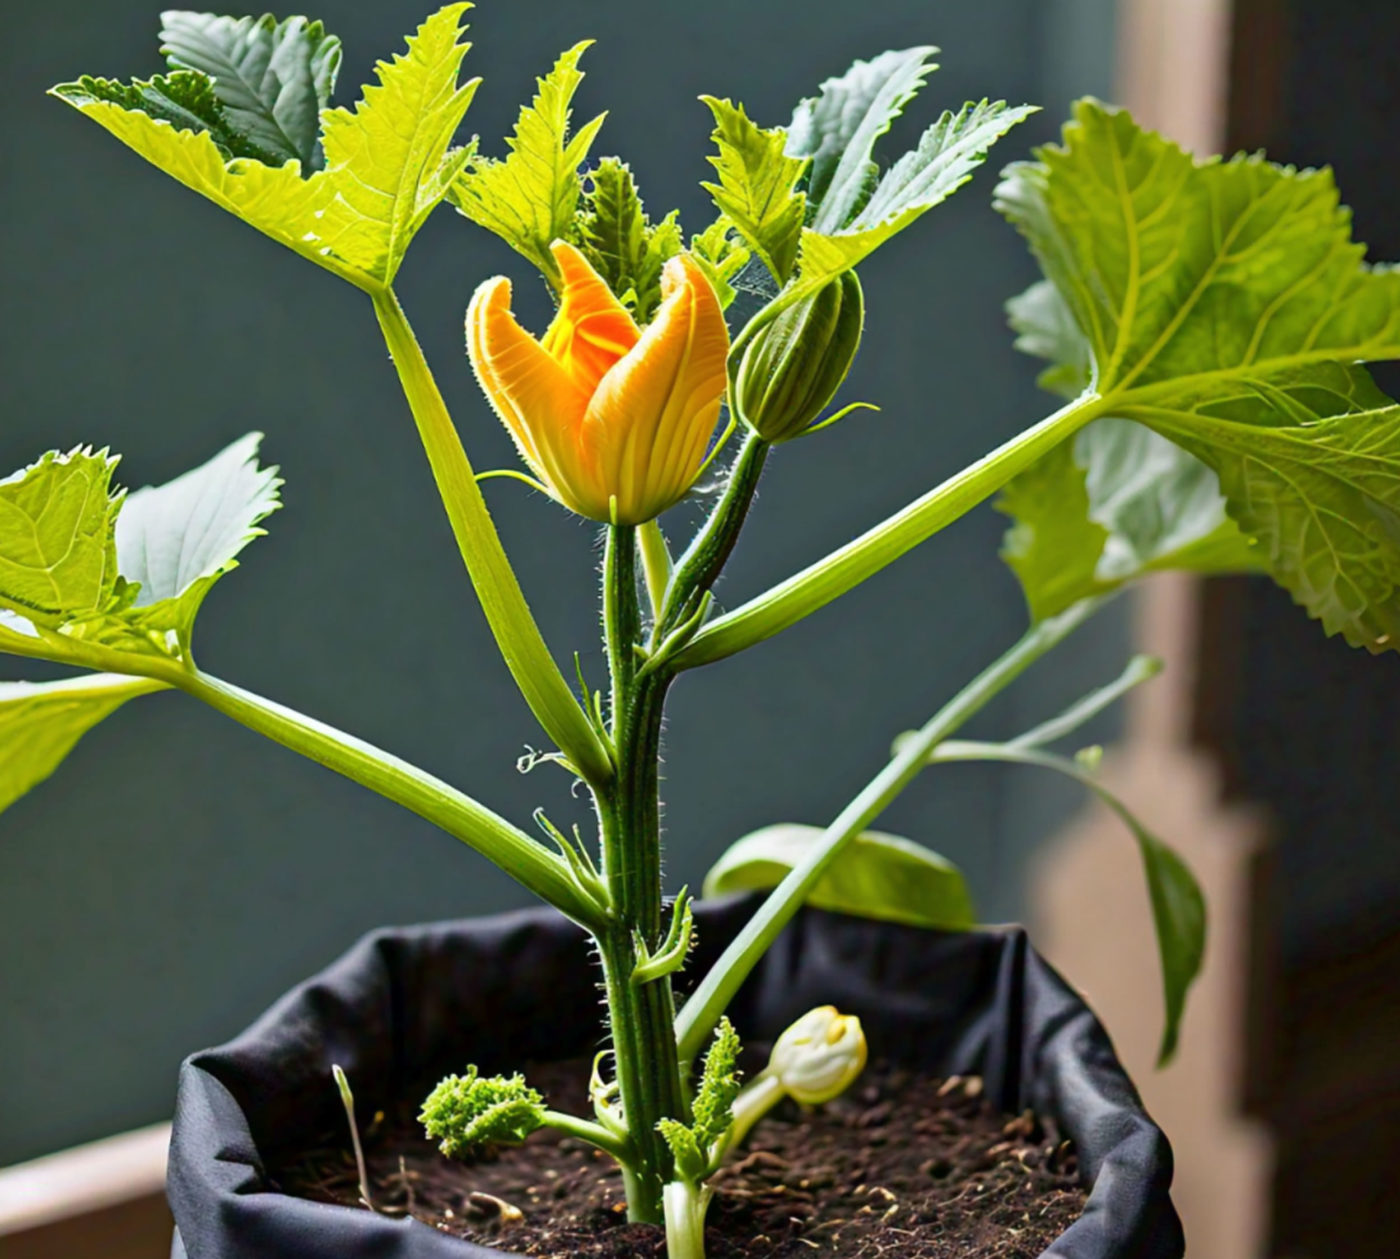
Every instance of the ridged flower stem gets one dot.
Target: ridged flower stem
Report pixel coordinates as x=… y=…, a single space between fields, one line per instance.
x=642 y=1015
x=699 y=568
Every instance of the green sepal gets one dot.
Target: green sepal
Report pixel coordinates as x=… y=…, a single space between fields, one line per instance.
x=789 y=371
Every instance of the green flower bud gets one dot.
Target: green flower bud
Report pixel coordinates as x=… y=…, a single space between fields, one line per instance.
x=793 y=367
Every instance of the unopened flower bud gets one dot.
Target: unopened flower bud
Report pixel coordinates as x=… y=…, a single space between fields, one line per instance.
x=819 y=1056
x=793 y=367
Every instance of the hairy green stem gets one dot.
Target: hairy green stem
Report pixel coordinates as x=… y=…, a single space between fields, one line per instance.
x=699 y=568
x=703 y=1010
x=517 y=635
x=641 y=1014
x=820 y=583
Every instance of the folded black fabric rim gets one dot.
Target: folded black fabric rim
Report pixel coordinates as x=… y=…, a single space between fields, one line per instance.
x=405 y=1006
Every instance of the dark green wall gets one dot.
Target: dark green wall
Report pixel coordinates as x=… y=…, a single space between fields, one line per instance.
x=178 y=872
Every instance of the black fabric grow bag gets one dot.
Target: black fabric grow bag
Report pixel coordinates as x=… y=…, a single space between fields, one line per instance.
x=405 y=1006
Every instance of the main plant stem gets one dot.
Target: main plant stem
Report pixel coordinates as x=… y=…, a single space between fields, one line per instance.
x=642 y=1015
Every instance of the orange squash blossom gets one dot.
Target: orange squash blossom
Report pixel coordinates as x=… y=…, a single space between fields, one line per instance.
x=614 y=420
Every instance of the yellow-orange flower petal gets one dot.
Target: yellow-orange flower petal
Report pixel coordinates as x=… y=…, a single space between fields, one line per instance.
x=614 y=420
x=523 y=383
x=592 y=329
x=654 y=412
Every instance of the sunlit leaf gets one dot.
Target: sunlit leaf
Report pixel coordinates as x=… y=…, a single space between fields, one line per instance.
x=1225 y=306
x=757 y=188
x=876 y=876
x=58 y=560
x=530 y=198
x=388 y=157
x=722 y=256
x=40 y=722
x=387 y=160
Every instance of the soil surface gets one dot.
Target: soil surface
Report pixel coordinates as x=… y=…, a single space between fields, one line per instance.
x=902 y=1167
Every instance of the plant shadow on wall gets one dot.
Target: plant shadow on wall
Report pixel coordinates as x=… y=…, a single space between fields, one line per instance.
x=1205 y=323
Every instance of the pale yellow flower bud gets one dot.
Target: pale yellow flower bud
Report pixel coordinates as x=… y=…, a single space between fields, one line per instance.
x=819 y=1056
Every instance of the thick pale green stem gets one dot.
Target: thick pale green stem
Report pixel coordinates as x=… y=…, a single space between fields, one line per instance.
x=702 y=1011
x=540 y=870
x=509 y=616
x=641 y=1014
x=686 y=1207
x=816 y=586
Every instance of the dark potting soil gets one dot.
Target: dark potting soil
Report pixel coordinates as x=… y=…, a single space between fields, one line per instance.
x=902 y=1167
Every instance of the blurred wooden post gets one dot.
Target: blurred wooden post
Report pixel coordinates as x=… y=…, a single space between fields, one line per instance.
x=1089 y=904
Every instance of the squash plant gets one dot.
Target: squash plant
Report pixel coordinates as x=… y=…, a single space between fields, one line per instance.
x=1204 y=323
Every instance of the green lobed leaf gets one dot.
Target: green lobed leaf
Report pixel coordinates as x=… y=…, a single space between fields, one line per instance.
x=185 y=99
x=876 y=876
x=58 y=560
x=272 y=78
x=466 y=1112
x=757 y=187
x=1045 y=327
x=1112 y=504
x=274 y=199
x=1225 y=306
x=947 y=156
x=530 y=198
x=176 y=540
x=838 y=129
x=388 y=158
x=387 y=161
x=40 y=722
x=624 y=246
